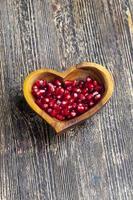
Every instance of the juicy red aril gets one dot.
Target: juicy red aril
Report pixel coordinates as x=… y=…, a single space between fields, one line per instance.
x=89 y=97
x=51 y=103
x=54 y=113
x=51 y=88
x=82 y=97
x=73 y=113
x=64 y=103
x=97 y=97
x=90 y=86
x=75 y=95
x=49 y=110
x=67 y=99
x=67 y=96
x=60 y=117
x=81 y=108
x=88 y=79
x=68 y=83
x=57 y=82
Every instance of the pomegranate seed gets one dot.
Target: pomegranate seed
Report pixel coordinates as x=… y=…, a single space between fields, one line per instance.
x=39 y=83
x=81 y=84
x=88 y=79
x=69 y=88
x=57 y=82
x=45 y=106
x=90 y=86
x=86 y=107
x=51 y=88
x=73 y=113
x=85 y=91
x=66 y=92
x=56 y=106
x=90 y=96
x=65 y=112
x=68 y=83
x=74 y=83
x=95 y=83
x=75 y=95
x=91 y=103
x=51 y=103
x=58 y=102
x=67 y=97
x=78 y=90
x=46 y=100
x=60 y=117
x=81 y=108
x=71 y=100
x=74 y=105
x=59 y=97
x=59 y=91
x=82 y=97
x=54 y=113
x=49 y=110
x=40 y=93
x=98 y=97
x=95 y=93
x=64 y=103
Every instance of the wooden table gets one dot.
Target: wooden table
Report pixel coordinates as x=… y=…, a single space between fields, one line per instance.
x=93 y=161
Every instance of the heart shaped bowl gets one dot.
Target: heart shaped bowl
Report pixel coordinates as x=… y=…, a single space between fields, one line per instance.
x=79 y=71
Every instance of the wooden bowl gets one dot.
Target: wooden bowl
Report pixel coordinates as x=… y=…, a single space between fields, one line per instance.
x=80 y=71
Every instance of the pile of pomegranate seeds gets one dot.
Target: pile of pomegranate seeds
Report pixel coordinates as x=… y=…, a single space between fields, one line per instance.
x=67 y=99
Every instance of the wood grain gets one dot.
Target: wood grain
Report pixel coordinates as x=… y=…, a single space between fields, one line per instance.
x=93 y=160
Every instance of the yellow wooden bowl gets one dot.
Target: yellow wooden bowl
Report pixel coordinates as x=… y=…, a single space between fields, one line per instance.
x=81 y=71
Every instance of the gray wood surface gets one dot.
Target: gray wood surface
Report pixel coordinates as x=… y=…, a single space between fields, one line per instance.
x=93 y=161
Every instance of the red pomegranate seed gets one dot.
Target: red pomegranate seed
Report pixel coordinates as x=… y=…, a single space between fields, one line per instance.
x=69 y=88
x=91 y=103
x=90 y=86
x=74 y=105
x=88 y=79
x=73 y=113
x=57 y=82
x=71 y=100
x=86 y=107
x=68 y=83
x=65 y=112
x=51 y=103
x=66 y=92
x=49 y=110
x=67 y=96
x=89 y=97
x=75 y=95
x=60 y=117
x=82 y=97
x=45 y=106
x=98 y=97
x=78 y=90
x=64 y=103
x=81 y=108
x=56 y=106
x=39 y=83
x=81 y=84
x=74 y=83
x=85 y=91
x=51 y=88
x=59 y=91
x=58 y=102
x=95 y=83
x=54 y=113
x=59 y=97
x=46 y=100
x=95 y=93
x=40 y=93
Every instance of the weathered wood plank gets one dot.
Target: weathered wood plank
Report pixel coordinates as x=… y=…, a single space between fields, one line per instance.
x=91 y=161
